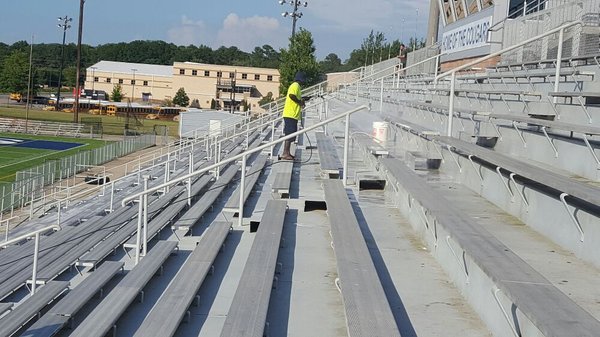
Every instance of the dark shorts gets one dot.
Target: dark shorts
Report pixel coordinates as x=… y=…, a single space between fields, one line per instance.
x=290 y=125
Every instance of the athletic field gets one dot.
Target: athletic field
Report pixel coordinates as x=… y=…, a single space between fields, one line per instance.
x=19 y=151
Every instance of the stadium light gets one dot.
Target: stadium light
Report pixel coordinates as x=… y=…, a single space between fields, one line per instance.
x=64 y=23
x=295 y=14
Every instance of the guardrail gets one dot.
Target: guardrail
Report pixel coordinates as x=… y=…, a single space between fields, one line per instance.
x=142 y=199
x=36 y=249
x=452 y=73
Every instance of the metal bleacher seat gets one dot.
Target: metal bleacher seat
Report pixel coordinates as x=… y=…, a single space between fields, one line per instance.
x=172 y=306
x=4 y=307
x=61 y=313
x=11 y=322
x=370 y=144
x=368 y=312
x=283 y=176
x=559 y=182
x=552 y=312
x=195 y=212
x=248 y=312
x=330 y=163
x=252 y=174
x=105 y=315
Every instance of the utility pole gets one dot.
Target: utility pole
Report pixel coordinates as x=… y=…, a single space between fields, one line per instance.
x=29 y=85
x=64 y=24
x=77 y=82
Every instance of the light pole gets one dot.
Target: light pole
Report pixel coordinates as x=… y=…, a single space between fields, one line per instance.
x=416 y=29
x=78 y=72
x=295 y=14
x=133 y=85
x=64 y=24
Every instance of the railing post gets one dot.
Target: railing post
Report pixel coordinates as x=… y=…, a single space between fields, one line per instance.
x=138 y=233
x=59 y=210
x=112 y=195
x=242 y=187
x=437 y=65
x=381 y=98
x=36 y=251
x=272 y=137
x=346 y=145
x=145 y=214
x=189 y=182
x=451 y=103
x=561 y=34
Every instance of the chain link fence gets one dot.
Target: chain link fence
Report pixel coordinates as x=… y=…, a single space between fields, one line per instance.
x=29 y=184
x=579 y=41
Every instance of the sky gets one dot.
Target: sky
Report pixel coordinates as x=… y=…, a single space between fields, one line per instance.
x=338 y=26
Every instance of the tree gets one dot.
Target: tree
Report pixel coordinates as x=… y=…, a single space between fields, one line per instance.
x=195 y=104
x=117 y=93
x=14 y=72
x=299 y=57
x=266 y=99
x=332 y=63
x=370 y=51
x=181 y=98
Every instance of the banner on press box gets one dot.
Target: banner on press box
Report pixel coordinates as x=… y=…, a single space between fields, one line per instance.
x=469 y=36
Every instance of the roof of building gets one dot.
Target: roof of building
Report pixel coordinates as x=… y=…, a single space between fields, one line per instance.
x=140 y=68
x=225 y=67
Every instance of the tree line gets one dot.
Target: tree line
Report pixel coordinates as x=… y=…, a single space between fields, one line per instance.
x=14 y=59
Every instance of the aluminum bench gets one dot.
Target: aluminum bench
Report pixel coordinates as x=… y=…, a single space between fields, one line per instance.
x=23 y=313
x=368 y=311
x=104 y=317
x=63 y=311
x=370 y=144
x=4 y=307
x=247 y=315
x=172 y=306
x=252 y=175
x=573 y=187
x=553 y=313
x=330 y=163
x=191 y=216
x=283 y=176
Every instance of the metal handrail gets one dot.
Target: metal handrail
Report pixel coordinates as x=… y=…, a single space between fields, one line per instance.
x=36 y=250
x=142 y=196
x=239 y=156
x=453 y=72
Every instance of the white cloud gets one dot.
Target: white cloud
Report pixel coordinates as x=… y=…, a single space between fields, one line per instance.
x=247 y=33
x=355 y=15
x=190 y=32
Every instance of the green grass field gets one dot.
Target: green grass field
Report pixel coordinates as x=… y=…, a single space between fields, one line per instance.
x=111 y=125
x=13 y=159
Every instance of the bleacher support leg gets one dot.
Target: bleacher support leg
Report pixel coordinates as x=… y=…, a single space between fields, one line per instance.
x=36 y=251
x=242 y=183
x=145 y=215
x=346 y=146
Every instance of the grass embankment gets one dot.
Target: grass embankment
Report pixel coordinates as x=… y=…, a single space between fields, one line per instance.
x=110 y=125
x=14 y=159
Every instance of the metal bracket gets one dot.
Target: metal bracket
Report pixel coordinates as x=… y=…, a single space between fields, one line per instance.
x=550 y=141
x=457 y=259
x=512 y=328
x=455 y=158
x=589 y=146
x=520 y=133
x=575 y=221
x=496 y=128
x=424 y=218
x=512 y=178
x=475 y=168
x=512 y=195
x=582 y=105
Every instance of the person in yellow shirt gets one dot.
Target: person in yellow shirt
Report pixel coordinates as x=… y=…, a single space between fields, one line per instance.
x=292 y=112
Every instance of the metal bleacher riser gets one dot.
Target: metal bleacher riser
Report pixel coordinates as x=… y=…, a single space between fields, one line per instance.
x=477 y=263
